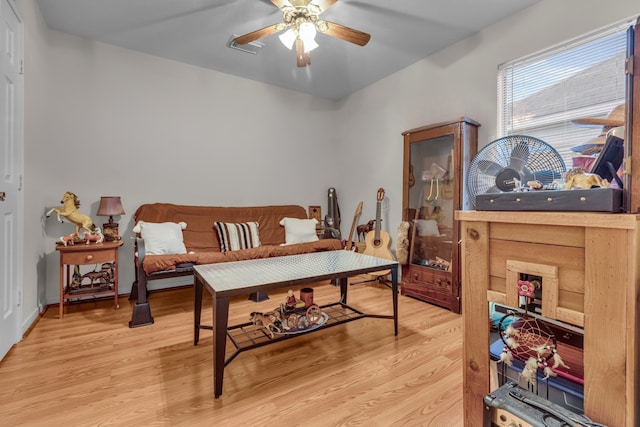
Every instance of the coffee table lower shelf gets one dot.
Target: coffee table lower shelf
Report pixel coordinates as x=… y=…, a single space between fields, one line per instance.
x=247 y=336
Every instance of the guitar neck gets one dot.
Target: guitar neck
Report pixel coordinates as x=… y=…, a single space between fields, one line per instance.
x=349 y=243
x=377 y=228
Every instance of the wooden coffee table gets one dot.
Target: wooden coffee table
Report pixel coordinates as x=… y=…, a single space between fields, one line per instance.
x=229 y=279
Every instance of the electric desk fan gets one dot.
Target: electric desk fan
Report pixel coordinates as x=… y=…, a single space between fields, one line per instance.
x=505 y=162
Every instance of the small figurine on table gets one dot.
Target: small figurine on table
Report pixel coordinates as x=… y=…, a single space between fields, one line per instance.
x=292 y=302
x=69 y=239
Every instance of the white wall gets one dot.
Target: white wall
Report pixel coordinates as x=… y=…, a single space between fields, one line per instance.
x=102 y=120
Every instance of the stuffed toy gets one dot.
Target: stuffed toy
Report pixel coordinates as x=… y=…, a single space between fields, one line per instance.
x=402 y=243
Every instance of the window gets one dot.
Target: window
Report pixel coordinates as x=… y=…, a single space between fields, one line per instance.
x=539 y=95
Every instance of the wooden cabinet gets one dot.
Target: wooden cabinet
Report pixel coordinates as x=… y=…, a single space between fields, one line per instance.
x=435 y=161
x=590 y=277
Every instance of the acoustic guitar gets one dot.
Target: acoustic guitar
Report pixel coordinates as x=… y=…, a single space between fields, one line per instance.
x=378 y=241
x=348 y=245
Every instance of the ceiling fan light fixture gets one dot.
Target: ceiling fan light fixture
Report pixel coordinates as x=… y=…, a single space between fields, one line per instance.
x=288 y=38
x=310 y=45
x=307 y=32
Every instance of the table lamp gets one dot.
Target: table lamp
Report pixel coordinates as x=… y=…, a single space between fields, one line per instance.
x=110 y=206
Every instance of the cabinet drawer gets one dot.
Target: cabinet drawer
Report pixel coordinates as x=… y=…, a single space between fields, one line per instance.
x=90 y=257
x=439 y=281
x=414 y=275
x=442 y=282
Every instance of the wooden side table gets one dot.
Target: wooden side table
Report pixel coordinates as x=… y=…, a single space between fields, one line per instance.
x=100 y=282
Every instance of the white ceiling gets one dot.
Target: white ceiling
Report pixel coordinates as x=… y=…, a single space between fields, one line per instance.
x=197 y=32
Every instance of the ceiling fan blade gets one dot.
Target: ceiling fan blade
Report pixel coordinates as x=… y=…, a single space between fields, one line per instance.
x=258 y=34
x=488 y=167
x=519 y=156
x=347 y=34
x=281 y=3
x=324 y=4
x=302 y=58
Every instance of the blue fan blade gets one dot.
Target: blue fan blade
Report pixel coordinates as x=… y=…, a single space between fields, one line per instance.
x=489 y=168
x=519 y=156
x=546 y=176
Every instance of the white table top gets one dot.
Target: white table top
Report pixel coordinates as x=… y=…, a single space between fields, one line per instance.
x=236 y=275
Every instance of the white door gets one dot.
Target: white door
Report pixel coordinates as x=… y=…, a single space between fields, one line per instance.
x=11 y=95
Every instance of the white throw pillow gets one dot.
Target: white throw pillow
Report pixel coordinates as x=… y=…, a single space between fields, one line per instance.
x=162 y=237
x=299 y=230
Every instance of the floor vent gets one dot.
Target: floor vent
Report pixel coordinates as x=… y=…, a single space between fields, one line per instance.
x=251 y=47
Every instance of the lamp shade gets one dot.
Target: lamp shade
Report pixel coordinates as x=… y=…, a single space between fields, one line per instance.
x=288 y=38
x=110 y=205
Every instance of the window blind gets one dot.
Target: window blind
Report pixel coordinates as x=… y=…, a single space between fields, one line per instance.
x=539 y=95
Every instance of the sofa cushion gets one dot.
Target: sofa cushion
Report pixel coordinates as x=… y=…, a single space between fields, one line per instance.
x=155 y=263
x=162 y=238
x=299 y=230
x=236 y=236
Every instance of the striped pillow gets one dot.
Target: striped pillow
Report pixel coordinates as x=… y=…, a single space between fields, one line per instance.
x=237 y=236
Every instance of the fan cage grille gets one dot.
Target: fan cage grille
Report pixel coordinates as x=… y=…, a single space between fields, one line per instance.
x=533 y=158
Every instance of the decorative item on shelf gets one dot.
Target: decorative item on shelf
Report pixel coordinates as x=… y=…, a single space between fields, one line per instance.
x=69 y=239
x=95 y=237
x=269 y=321
x=69 y=211
x=294 y=316
x=530 y=340
x=98 y=278
x=110 y=206
x=292 y=302
x=579 y=178
x=306 y=295
x=363 y=229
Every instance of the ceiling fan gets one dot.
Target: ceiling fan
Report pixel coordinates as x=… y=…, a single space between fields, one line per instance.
x=302 y=22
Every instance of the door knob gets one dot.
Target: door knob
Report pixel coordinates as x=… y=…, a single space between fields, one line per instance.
x=3 y=195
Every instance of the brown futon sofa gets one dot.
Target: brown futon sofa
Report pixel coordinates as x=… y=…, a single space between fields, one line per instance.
x=202 y=244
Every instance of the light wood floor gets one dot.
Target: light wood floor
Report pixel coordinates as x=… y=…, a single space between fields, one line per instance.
x=90 y=369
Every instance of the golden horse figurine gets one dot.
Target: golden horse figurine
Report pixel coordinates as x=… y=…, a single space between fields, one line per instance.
x=69 y=210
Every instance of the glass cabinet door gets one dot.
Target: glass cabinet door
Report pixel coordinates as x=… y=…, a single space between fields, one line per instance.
x=431 y=200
